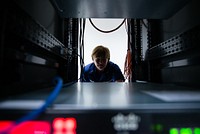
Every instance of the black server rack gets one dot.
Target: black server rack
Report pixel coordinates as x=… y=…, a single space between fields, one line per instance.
x=39 y=52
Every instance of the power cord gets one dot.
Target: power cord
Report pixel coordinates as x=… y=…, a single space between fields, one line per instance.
x=109 y=31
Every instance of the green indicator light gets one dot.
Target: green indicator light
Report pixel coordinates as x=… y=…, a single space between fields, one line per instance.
x=196 y=130
x=173 y=131
x=159 y=128
x=185 y=131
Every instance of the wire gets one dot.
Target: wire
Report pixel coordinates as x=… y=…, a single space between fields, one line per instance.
x=128 y=59
x=81 y=44
x=76 y=54
x=145 y=25
x=48 y=101
x=109 y=31
x=34 y=114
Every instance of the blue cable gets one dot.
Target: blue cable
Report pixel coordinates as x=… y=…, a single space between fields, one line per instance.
x=34 y=114
x=48 y=101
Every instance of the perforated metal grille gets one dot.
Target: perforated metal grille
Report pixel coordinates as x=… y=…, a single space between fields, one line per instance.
x=180 y=43
x=23 y=25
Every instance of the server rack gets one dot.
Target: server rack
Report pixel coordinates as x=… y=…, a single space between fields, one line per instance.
x=33 y=53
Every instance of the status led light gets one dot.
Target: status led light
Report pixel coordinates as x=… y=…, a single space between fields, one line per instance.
x=185 y=131
x=70 y=124
x=196 y=130
x=173 y=131
x=58 y=124
x=159 y=128
x=27 y=127
x=64 y=126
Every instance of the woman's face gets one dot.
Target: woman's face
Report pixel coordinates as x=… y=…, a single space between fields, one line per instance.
x=100 y=63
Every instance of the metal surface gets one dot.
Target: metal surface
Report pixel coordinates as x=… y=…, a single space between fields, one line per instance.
x=112 y=108
x=155 y=9
x=22 y=25
x=111 y=96
x=28 y=51
x=180 y=43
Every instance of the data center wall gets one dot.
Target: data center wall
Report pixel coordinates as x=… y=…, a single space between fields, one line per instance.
x=44 y=13
x=31 y=46
x=175 y=58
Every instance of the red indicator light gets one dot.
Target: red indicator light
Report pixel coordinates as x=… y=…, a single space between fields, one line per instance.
x=64 y=126
x=5 y=126
x=70 y=124
x=58 y=123
x=27 y=127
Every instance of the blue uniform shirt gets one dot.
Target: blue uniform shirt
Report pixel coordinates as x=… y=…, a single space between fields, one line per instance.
x=111 y=73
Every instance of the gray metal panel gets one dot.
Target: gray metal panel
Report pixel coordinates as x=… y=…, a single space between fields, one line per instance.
x=153 y=9
x=107 y=96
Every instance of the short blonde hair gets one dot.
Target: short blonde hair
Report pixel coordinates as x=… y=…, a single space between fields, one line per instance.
x=101 y=51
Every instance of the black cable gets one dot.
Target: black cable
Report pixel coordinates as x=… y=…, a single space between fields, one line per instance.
x=81 y=47
x=109 y=31
x=76 y=54
x=145 y=25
